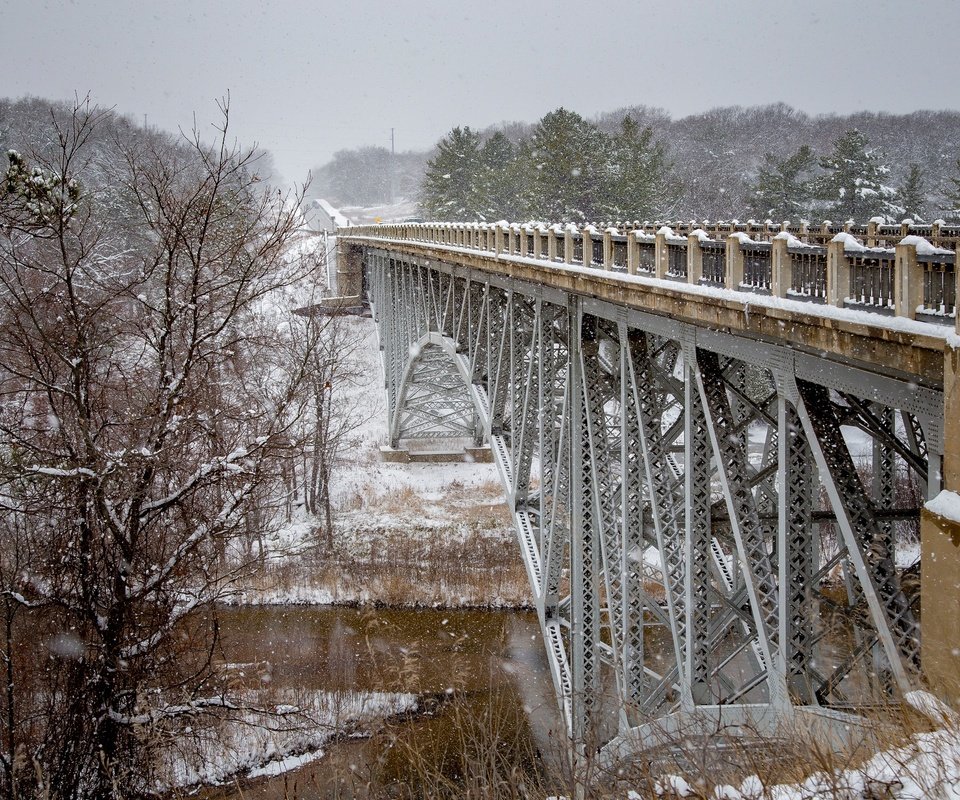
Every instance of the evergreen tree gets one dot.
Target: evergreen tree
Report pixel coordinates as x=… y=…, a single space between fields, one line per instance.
x=639 y=181
x=852 y=188
x=783 y=188
x=567 y=176
x=498 y=187
x=952 y=195
x=912 y=195
x=449 y=185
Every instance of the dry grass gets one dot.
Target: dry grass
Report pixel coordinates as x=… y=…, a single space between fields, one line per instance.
x=471 y=563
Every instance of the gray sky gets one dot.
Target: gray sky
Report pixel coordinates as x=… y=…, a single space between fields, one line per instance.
x=309 y=78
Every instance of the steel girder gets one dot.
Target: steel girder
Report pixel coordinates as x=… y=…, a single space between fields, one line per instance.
x=708 y=523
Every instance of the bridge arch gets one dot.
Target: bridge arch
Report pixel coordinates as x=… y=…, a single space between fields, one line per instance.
x=436 y=398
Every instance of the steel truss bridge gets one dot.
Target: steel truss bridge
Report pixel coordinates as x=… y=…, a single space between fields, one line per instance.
x=708 y=492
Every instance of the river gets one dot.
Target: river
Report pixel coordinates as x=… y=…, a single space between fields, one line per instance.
x=481 y=677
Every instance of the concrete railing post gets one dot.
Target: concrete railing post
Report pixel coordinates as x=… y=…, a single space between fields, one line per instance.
x=661 y=255
x=694 y=259
x=781 y=264
x=907 y=282
x=552 y=232
x=633 y=252
x=568 y=245
x=498 y=239
x=838 y=274
x=872 y=226
x=734 y=274
x=586 y=239
x=608 y=248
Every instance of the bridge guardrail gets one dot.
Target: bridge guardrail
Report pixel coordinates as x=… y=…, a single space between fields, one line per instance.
x=890 y=269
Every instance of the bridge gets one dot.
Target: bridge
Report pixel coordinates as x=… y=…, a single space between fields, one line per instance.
x=714 y=441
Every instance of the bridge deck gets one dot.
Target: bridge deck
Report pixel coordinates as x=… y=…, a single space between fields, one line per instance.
x=887 y=344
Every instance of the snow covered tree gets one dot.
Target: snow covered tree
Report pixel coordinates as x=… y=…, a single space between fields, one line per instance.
x=146 y=412
x=639 y=180
x=498 y=184
x=853 y=187
x=783 y=186
x=449 y=185
x=913 y=196
x=328 y=344
x=568 y=171
x=952 y=194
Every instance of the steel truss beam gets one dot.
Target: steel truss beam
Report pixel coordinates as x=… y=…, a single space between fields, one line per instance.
x=665 y=482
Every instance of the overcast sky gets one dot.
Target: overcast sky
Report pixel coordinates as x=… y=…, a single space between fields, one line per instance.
x=309 y=78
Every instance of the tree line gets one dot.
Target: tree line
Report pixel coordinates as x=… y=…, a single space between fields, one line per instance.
x=568 y=169
x=720 y=164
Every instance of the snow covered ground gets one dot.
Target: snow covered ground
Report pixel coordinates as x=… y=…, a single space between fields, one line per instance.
x=926 y=766
x=430 y=534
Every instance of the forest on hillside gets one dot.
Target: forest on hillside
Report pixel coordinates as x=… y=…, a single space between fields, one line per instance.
x=726 y=162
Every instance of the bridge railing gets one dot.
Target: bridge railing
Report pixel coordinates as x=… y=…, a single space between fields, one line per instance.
x=875 y=233
x=889 y=269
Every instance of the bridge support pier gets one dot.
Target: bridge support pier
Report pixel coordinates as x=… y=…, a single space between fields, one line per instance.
x=349 y=271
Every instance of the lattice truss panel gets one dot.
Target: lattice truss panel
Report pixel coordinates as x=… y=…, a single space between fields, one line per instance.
x=701 y=528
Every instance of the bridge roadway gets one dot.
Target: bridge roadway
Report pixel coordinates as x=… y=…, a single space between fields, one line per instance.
x=709 y=486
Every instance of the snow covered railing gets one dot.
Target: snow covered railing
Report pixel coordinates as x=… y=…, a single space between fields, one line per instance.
x=875 y=233
x=915 y=278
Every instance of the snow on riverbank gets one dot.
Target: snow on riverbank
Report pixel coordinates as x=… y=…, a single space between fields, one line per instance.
x=284 y=732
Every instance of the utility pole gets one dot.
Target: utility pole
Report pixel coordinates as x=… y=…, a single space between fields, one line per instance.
x=393 y=169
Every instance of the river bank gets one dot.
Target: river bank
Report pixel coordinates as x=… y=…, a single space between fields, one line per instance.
x=452 y=549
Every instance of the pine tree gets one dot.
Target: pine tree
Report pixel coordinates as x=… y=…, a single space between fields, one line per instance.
x=852 y=187
x=783 y=189
x=912 y=195
x=498 y=185
x=639 y=181
x=952 y=195
x=567 y=176
x=449 y=185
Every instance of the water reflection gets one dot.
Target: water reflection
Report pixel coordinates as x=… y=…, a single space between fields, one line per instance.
x=482 y=677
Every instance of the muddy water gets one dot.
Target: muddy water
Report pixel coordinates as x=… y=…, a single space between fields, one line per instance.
x=482 y=678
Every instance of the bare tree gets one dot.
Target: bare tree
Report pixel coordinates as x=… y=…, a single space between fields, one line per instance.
x=145 y=406
x=332 y=345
